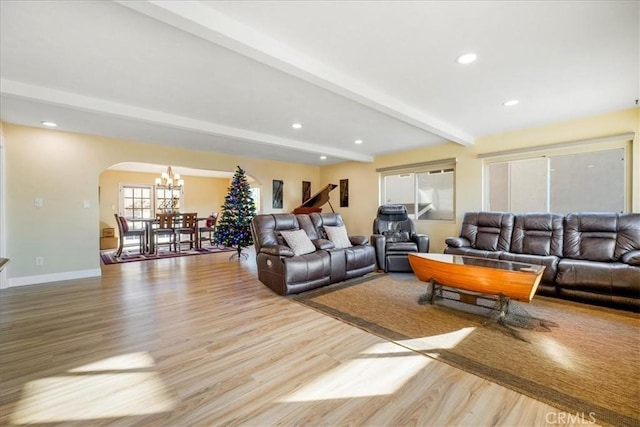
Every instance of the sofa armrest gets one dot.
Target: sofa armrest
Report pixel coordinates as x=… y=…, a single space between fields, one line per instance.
x=358 y=240
x=323 y=244
x=422 y=240
x=277 y=250
x=378 y=241
x=457 y=242
x=631 y=258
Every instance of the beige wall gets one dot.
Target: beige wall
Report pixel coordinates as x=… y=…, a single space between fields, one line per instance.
x=364 y=180
x=64 y=168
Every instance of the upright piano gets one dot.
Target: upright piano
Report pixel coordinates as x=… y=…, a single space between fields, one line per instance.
x=315 y=202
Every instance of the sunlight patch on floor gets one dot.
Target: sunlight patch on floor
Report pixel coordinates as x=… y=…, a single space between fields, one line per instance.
x=559 y=353
x=438 y=342
x=104 y=389
x=123 y=362
x=376 y=372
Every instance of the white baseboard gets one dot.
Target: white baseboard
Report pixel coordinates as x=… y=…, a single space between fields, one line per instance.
x=54 y=277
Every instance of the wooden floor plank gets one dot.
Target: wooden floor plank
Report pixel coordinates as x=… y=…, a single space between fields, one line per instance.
x=221 y=349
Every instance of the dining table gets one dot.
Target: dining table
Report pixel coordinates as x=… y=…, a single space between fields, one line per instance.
x=149 y=224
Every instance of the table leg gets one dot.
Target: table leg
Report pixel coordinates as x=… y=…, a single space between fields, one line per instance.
x=150 y=242
x=503 y=308
x=430 y=295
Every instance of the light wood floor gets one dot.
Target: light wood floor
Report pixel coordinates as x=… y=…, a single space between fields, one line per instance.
x=199 y=341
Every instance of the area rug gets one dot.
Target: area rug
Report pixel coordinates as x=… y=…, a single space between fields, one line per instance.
x=109 y=257
x=587 y=363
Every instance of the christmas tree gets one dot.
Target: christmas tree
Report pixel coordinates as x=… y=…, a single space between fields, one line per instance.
x=233 y=229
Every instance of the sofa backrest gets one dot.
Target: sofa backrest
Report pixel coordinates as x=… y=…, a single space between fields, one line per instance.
x=319 y=220
x=537 y=234
x=489 y=231
x=393 y=218
x=266 y=228
x=600 y=236
x=304 y=221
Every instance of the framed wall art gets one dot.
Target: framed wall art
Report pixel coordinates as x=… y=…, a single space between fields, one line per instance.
x=277 y=193
x=344 y=193
x=306 y=191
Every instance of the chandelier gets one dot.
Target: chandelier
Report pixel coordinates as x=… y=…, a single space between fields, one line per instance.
x=169 y=180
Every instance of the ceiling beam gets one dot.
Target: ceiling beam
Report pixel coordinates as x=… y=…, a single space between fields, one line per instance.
x=116 y=109
x=201 y=20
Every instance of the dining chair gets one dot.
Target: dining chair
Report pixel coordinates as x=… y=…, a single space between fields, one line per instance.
x=125 y=231
x=165 y=228
x=209 y=228
x=187 y=226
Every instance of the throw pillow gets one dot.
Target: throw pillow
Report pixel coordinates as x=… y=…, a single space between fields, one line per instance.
x=338 y=235
x=298 y=241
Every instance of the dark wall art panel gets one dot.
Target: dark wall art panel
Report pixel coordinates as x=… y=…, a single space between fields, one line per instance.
x=277 y=193
x=306 y=191
x=344 y=193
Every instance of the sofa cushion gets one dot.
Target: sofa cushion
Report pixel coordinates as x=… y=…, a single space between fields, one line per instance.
x=359 y=260
x=266 y=228
x=601 y=277
x=338 y=235
x=537 y=234
x=309 y=268
x=628 y=238
x=489 y=231
x=600 y=236
x=403 y=247
x=298 y=241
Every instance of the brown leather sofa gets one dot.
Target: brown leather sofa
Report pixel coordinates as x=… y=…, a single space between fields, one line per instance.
x=591 y=257
x=286 y=273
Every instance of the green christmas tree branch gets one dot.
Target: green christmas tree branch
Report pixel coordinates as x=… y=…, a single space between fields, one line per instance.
x=234 y=227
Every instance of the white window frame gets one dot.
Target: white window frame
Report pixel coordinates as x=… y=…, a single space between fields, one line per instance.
x=609 y=143
x=154 y=201
x=443 y=165
x=122 y=199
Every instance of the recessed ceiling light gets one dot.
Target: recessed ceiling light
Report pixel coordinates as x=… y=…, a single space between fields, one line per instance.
x=297 y=125
x=511 y=103
x=47 y=123
x=357 y=141
x=323 y=157
x=467 y=58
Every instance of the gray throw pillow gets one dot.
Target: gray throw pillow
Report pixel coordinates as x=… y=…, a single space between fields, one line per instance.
x=298 y=241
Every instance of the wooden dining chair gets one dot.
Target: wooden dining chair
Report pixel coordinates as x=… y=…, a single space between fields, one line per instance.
x=125 y=231
x=165 y=228
x=188 y=226
x=208 y=229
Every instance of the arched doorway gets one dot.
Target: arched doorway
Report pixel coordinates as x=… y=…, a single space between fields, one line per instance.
x=128 y=189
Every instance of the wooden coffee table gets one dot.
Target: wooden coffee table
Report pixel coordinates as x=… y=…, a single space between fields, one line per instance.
x=474 y=277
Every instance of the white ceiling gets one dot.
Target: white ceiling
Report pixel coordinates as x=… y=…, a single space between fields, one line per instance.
x=232 y=77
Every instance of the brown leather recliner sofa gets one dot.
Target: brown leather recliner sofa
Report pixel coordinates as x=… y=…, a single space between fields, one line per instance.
x=286 y=273
x=394 y=237
x=592 y=257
